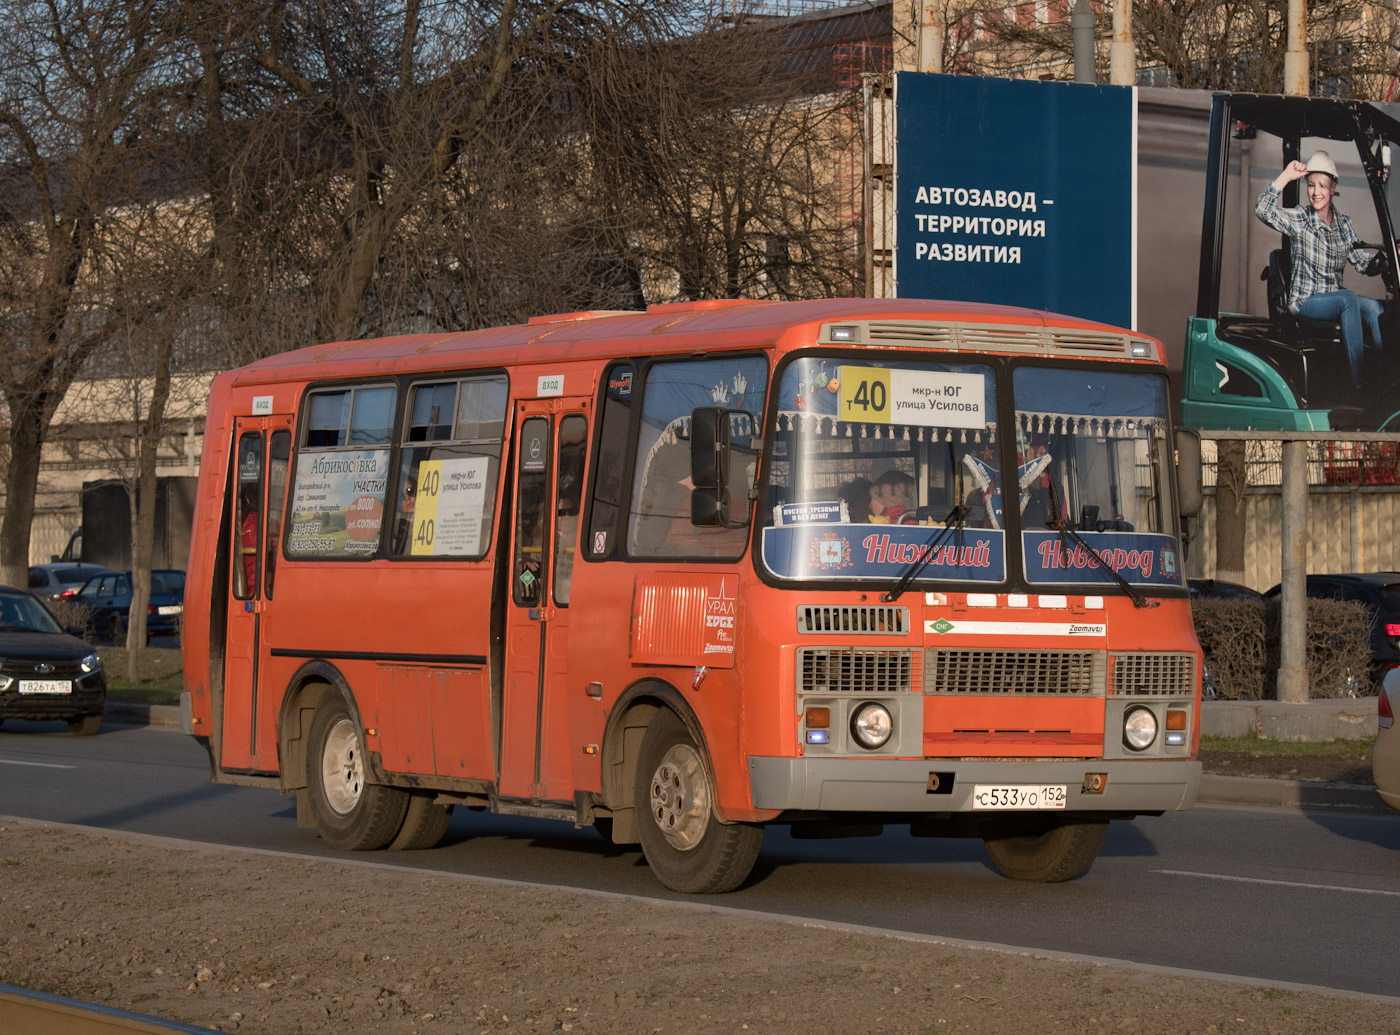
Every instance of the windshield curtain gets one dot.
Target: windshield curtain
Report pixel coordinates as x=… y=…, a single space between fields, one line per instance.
x=1093 y=459
x=880 y=466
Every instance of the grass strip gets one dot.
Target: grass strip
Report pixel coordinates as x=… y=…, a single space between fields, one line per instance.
x=1261 y=746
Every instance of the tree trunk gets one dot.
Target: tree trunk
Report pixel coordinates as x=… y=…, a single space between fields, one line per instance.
x=143 y=527
x=1230 y=485
x=21 y=485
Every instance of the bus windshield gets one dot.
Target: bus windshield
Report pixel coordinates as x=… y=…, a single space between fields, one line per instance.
x=873 y=464
x=1091 y=466
x=880 y=467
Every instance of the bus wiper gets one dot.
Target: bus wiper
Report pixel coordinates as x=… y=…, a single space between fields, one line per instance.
x=953 y=522
x=1060 y=523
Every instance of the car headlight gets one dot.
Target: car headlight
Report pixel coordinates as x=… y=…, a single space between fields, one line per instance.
x=91 y=663
x=1139 y=729
x=871 y=725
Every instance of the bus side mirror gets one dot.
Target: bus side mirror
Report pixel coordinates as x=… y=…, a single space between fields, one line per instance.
x=723 y=462
x=1188 y=471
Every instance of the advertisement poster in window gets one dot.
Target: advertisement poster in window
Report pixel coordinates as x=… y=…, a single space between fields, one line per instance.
x=338 y=504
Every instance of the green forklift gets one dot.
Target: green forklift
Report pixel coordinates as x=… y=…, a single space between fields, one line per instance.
x=1272 y=371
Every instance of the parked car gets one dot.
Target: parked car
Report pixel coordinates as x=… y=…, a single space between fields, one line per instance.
x=46 y=673
x=108 y=600
x=1385 y=756
x=1380 y=591
x=52 y=580
x=1218 y=588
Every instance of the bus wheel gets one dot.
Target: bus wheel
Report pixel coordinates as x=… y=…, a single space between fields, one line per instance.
x=687 y=848
x=351 y=813
x=423 y=824
x=1062 y=851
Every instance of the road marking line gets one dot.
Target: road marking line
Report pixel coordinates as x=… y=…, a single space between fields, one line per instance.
x=41 y=765
x=1280 y=883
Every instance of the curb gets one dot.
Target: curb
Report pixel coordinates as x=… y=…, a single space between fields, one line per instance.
x=129 y=713
x=1345 y=718
x=1293 y=794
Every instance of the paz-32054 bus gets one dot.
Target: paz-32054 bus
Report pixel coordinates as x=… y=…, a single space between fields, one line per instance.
x=683 y=573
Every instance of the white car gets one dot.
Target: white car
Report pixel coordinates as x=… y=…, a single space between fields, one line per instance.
x=48 y=581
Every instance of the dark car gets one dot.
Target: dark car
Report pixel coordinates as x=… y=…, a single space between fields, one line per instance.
x=108 y=600
x=46 y=673
x=53 y=580
x=1380 y=591
x=1225 y=590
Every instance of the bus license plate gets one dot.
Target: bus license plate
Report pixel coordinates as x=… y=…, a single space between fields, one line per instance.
x=1019 y=796
x=45 y=686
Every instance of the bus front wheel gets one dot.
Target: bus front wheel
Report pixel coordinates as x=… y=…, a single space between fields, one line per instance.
x=350 y=812
x=685 y=845
x=1061 y=851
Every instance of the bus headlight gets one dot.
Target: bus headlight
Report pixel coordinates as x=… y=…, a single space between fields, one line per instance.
x=871 y=725
x=1139 y=729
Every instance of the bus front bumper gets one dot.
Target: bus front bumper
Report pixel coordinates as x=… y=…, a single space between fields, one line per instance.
x=937 y=785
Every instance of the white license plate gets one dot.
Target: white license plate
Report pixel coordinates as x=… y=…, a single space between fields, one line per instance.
x=170 y=609
x=45 y=686
x=1019 y=796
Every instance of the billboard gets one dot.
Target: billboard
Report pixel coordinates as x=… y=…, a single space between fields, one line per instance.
x=1016 y=192
x=1137 y=207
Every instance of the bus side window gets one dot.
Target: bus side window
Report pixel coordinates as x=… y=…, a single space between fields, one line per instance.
x=248 y=515
x=615 y=419
x=573 y=446
x=280 y=454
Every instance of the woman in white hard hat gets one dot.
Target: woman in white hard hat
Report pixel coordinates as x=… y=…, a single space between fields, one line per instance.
x=1322 y=241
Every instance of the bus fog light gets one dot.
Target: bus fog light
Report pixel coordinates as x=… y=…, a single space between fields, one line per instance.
x=818 y=736
x=871 y=725
x=1176 y=740
x=1139 y=729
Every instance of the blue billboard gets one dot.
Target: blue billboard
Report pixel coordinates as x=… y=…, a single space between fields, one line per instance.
x=1016 y=192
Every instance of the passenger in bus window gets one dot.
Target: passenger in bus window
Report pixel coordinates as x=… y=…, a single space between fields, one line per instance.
x=1039 y=492
x=888 y=500
x=248 y=538
x=403 y=527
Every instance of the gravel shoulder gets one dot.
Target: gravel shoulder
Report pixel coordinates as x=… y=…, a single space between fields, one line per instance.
x=257 y=942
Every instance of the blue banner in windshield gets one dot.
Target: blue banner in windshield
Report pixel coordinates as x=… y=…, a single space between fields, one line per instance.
x=884 y=552
x=1144 y=559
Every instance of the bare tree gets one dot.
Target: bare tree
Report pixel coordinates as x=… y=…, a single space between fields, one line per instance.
x=1196 y=44
x=75 y=95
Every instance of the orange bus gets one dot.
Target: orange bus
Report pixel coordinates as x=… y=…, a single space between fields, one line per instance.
x=683 y=573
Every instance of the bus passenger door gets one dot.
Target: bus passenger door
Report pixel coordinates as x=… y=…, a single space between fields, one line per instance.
x=551 y=437
x=263 y=448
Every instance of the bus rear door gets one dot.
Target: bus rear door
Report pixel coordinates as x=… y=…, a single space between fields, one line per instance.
x=551 y=438
x=262 y=451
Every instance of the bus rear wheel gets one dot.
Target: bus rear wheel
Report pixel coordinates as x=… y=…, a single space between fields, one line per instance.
x=685 y=845
x=1061 y=851
x=423 y=824
x=350 y=812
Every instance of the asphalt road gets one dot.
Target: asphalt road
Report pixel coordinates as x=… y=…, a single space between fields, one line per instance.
x=1272 y=894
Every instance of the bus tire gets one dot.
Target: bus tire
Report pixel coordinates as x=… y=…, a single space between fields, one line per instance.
x=423 y=824
x=350 y=812
x=1048 y=855
x=685 y=845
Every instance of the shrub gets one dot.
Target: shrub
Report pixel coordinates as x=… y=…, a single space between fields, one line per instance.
x=1240 y=639
x=70 y=613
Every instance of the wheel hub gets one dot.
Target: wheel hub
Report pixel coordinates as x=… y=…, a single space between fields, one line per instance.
x=680 y=797
x=342 y=771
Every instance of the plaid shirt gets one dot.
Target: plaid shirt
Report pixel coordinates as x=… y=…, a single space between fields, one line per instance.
x=1320 y=252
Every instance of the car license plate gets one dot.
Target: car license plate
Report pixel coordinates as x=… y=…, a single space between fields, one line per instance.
x=45 y=686
x=170 y=609
x=1019 y=796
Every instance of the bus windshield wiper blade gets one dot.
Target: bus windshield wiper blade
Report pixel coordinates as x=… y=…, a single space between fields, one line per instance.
x=954 y=521
x=1060 y=523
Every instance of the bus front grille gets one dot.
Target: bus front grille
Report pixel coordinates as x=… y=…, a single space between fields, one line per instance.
x=1150 y=674
x=839 y=670
x=1038 y=672
x=858 y=620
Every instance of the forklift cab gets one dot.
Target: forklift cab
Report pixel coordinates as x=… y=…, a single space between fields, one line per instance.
x=1251 y=363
